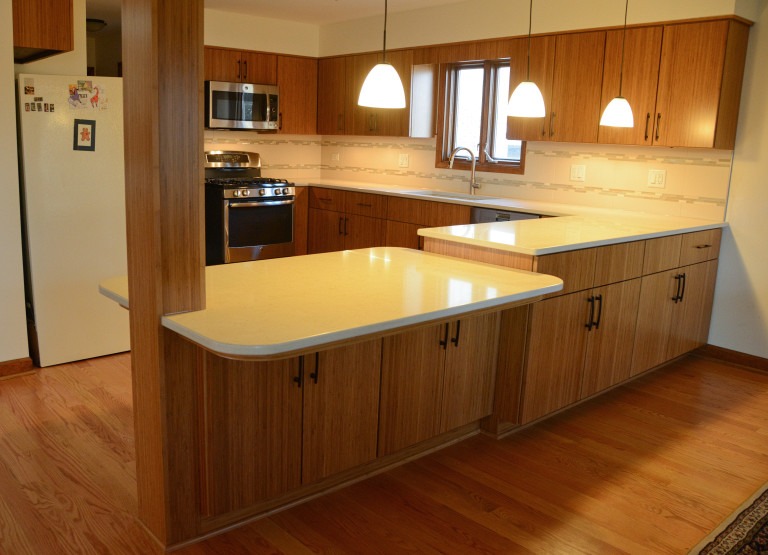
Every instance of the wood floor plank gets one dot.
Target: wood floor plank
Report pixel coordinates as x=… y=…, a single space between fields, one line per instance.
x=650 y=467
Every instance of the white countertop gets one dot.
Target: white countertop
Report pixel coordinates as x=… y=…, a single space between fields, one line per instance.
x=566 y=233
x=277 y=307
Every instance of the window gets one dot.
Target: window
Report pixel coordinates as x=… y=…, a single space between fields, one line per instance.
x=474 y=116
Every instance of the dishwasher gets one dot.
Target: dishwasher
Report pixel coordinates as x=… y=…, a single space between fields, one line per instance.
x=484 y=215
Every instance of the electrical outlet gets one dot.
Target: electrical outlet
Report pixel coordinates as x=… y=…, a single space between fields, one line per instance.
x=403 y=160
x=335 y=157
x=578 y=172
x=657 y=178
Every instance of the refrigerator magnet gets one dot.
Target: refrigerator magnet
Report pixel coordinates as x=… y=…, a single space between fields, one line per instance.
x=85 y=135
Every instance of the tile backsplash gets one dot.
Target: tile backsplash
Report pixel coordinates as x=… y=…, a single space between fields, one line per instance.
x=616 y=176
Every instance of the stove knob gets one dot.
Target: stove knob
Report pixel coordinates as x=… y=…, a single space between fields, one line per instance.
x=286 y=191
x=246 y=193
x=277 y=191
x=262 y=192
x=237 y=193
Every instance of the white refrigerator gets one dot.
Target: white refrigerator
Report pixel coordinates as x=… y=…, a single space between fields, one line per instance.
x=73 y=199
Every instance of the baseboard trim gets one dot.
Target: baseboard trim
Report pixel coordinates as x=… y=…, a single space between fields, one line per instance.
x=733 y=357
x=11 y=368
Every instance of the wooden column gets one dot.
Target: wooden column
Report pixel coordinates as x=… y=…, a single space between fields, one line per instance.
x=162 y=61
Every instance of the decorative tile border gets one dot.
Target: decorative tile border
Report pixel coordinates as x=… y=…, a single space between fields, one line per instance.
x=629 y=157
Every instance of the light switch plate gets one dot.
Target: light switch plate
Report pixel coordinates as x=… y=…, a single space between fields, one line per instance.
x=578 y=172
x=657 y=178
x=335 y=157
x=402 y=160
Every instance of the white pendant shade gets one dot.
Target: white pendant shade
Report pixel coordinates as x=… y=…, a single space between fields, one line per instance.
x=526 y=101
x=618 y=113
x=382 y=88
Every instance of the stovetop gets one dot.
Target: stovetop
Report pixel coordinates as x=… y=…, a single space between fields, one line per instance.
x=247 y=181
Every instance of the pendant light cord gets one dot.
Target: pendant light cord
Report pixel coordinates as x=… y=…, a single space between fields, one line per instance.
x=530 y=20
x=384 y=48
x=623 y=44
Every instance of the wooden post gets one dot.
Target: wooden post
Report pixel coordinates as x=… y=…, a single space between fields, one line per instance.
x=163 y=64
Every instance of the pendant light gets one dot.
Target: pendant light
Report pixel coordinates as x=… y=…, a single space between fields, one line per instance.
x=526 y=100
x=382 y=87
x=618 y=113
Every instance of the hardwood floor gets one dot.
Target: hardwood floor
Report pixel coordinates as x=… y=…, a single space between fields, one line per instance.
x=651 y=467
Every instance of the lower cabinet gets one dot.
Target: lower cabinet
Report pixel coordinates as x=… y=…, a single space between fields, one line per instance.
x=270 y=427
x=674 y=314
x=436 y=379
x=578 y=345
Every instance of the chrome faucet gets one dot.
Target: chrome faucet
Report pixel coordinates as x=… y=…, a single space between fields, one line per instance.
x=472 y=183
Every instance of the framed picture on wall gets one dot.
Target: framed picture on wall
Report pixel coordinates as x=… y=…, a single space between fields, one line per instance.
x=85 y=134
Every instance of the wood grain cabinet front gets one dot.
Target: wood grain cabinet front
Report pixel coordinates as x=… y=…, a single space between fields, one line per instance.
x=239 y=66
x=41 y=28
x=297 y=83
x=436 y=379
x=271 y=427
x=341 y=220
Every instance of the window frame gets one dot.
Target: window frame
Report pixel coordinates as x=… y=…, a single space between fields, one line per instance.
x=447 y=114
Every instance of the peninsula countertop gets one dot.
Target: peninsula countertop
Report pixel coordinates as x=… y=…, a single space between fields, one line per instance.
x=273 y=308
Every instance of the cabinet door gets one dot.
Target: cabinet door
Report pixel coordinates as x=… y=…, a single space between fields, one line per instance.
x=258 y=67
x=396 y=122
x=361 y=232
x=576 y=89
x=553 y=374
x=252 y=432
x=609 y=347
x=654 y=320
x=331 y=95
x=690 y=78
x=341 y=409
x=222 y=64
x=542 y=69
x=640 y=79
x=326 y=231
x=411 y=387
x=41 y=29
x=470 y=370
x=401 y=234
x=297 y=79
x=690 y=323
x=300 y=220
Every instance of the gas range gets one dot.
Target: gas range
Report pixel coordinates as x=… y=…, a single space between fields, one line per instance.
x=238 y=175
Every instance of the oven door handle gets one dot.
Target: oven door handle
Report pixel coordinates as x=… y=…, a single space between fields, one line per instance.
x=257 y=204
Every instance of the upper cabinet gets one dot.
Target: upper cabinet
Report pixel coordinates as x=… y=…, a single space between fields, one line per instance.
x=297 y=82
x=240 y=66
x=702 y=66
x=331 y=95
x=641 y=77
x=41 y=28
x=568 y=69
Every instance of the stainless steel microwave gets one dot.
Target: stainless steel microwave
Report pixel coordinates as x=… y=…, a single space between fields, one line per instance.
x=241 y=106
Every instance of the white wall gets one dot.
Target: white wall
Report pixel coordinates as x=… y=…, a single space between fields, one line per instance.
x=478 y=19
x=259 y=33
x=740 y=319
x=13 y=330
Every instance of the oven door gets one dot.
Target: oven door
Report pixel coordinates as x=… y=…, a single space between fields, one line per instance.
x=257 y=229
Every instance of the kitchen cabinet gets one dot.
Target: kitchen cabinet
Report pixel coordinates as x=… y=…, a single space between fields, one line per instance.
x=300 y=220
x=700 y=76
x=406 y=216
x=240 y=66
x=568 y=69
x=436 y=379
x=41 y=28
x=332 y=95
x=341 y=220
x=297 y=82
x=642 y=54
x=592 y=327
x=270 y=427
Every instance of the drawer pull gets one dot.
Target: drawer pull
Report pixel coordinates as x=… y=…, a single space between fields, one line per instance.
x=703 y=246
x=364 y=204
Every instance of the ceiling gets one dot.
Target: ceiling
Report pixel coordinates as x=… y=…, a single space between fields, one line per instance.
x=309 y=11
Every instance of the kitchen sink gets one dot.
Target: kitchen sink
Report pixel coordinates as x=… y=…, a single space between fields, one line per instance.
x=449 y=195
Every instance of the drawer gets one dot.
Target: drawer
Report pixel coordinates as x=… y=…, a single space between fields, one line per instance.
x=366 y=204
x=575 y=268
x=427 y=213
x=661 y=254
x=326 y=199
x=700 y=246
x=619 y=262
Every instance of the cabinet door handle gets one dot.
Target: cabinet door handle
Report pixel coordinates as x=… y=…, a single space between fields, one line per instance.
x=238 y=71
x=314 y=375
x=658 y=125
x=455 y=338
x=346 y=227
x=647 y=122
x=599 y=299
x=245 y=69
x=341 y=225
x=591 y=321
x=544 y=128
x=299 y=379
x=552 y=125
x=444 y=341
x=340 y=122
x=682 y=293
x=280 y=121
x=679 y=280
